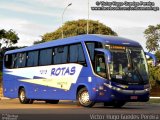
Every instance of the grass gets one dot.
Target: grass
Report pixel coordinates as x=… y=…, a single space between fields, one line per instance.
x=154 y=101
x=0 y=74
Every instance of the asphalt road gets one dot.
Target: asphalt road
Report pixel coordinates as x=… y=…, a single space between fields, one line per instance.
x=69 y=110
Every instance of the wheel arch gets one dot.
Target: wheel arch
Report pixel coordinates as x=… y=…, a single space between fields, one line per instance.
x=80 y=86
x=20 y=87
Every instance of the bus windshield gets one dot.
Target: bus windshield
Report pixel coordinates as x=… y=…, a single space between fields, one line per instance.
x=128 y=66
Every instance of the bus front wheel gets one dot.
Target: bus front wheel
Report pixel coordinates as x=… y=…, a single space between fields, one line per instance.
x=83 y=98
x=22 y=97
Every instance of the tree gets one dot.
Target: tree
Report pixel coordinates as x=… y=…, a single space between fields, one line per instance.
x=152 y=34
x=154 y=75
x=7 y=38
x=79 y=27
x=37 y=42
x=157 y=54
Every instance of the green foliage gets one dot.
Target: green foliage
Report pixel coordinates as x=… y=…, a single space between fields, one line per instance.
x=154 y=101
x=157 y=54
x=0 y=74
x=37 y=42
x=152 y=34
x=3 y=50
x=79 y=27
x=7 y=38
x=154 y=75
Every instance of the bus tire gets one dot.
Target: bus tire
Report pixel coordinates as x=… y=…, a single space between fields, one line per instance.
x=83 y=98
x=118 y=104
x=22 y=97
x=52 y=101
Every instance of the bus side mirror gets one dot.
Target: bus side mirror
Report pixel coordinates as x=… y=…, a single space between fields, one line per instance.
x=153 y=57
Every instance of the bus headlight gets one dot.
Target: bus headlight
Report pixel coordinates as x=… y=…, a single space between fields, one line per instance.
x=118 y=89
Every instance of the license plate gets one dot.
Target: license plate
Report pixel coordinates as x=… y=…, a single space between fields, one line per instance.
x=134 y=97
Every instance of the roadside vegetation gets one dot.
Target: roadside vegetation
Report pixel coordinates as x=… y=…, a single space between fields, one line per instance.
x=154 y=100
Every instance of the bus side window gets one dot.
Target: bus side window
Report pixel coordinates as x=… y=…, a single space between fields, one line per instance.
x=60 y=55
x=100 y=65
x=81 y=57
x=8 y=61
x=20 y=60
x=45 y=57
x=32 y=58
x=91 y=47
x=76 y=54
x=73 y=56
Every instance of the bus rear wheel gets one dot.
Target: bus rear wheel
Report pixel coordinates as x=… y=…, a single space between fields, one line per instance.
x=83 y=98
x=52 y=101
x=22 y=97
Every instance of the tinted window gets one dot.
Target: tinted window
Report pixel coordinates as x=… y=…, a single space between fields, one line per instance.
x=20 y=60
x=91 y=46
x=60 y=55
x=100 y=66
x=13 y=60
x=73 y=53
x=45 y=57
x=8 y=61
x=32 y=59
x=81 y=57
x=76 y=54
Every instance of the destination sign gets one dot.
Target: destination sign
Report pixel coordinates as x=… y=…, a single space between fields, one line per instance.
x=117 y=47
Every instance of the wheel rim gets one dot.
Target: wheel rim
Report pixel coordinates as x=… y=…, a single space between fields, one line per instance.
x=84 y=98
x=22 y=95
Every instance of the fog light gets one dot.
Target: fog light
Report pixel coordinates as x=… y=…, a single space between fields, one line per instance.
x=101 y=93
x=101 y=88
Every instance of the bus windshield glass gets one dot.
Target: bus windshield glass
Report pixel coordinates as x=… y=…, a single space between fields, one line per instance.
x=128 y=65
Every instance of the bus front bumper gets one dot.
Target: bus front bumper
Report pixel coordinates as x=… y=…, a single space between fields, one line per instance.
x=118 y=94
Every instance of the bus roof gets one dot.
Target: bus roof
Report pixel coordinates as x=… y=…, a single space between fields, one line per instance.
x=90 y=37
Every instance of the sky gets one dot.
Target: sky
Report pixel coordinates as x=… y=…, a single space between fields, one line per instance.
x=33 y=18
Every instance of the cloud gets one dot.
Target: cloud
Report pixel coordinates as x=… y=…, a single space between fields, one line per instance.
x=28 y=32
x=40 y=16
x=133 y=33
x=27 y=9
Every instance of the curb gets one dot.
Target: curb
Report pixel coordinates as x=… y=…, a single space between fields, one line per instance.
x=154 y=97
x=4 y=98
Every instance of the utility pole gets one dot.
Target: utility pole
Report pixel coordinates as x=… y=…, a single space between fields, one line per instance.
x=88 y=19
x=63 y=14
